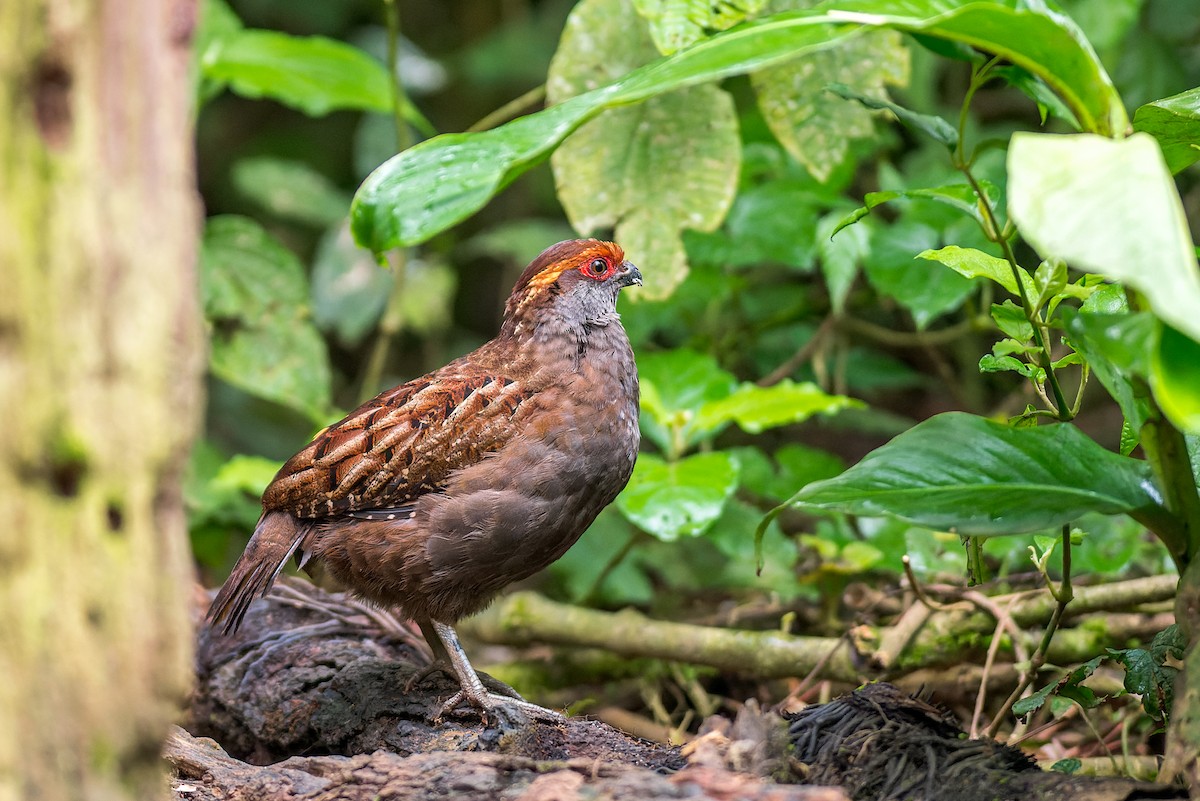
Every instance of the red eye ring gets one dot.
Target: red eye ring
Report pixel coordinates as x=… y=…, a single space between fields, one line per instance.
x=597 y=269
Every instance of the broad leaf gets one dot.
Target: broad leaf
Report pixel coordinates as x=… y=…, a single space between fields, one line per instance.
x=840 y=258
x=648 y=170
x=961 y=473
x=255 y=298
x=1117 y=348
x=676 y=499
x=349 y=290
x=1148 y=675
x=756 y=408
x=675 y=24
x=925 y=289
x=935 y=127
x=958 y=196
x=311 y=73
x=438 y=183
x=291 y=190
x=1109 y=207
x=1067 y=687
x=1175 y=374
x=815 y=126
x=1175 y=123
x=972 y=263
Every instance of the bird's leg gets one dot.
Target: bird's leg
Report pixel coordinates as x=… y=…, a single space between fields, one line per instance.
x=473 y=690
x=440 y=662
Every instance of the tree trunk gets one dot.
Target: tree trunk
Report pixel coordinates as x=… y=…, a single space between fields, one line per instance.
x=100 y=363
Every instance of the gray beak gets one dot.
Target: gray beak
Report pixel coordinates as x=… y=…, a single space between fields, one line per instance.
x=629 y=275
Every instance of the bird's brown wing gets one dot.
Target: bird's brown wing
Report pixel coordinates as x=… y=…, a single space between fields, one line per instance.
x=400 y=445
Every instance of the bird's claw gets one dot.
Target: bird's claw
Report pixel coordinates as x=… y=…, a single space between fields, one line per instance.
x=509 y=712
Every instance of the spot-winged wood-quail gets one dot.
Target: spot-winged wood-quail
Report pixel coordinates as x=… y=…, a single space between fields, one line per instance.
x=437 y=493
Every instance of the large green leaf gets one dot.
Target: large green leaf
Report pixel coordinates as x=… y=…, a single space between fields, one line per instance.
x=675 y=24
x=291 y=190
x=438 y=183
x=1117 y=347
x=962 y=473
x=972 y=263
x=756 y=408
x=1175 y=374
x=925 y=289
x=311 y=73
x=815 y=126
x=255 y=298
x=683 y=498
x=648 y=170
x=1175 y=122
x=1108 y=206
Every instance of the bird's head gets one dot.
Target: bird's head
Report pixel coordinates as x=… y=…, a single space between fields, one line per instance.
x=576 y=281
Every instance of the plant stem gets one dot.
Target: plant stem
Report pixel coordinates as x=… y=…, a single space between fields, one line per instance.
x=1062 y=596
x=392 y=320
x=391 y=13
x=510 y=109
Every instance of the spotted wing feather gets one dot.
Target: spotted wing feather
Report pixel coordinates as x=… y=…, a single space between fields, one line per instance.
x=399 y=446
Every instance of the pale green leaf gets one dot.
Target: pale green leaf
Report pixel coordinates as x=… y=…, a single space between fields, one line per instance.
x=756 y=408
x=815 y=126
x=972 y=263
x=440 y=182
x=648 y=170
x=675 y=24
x=676 y=499
x=1175 y=377
x=1111 y=207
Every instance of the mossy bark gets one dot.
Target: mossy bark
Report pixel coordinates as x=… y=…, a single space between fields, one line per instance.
x=101 y=354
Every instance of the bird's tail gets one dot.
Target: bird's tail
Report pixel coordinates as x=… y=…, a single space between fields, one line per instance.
x=275 y=539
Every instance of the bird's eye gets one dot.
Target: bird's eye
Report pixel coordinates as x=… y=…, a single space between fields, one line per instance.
x=597 y=268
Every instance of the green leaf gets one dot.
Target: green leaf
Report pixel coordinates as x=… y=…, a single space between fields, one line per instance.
x=755 y=408
x=957 y=472
x=217 y=22
x=1000 y=364
x=1175 y=123
x=648 y=170
x=932 y=126
x=1146 y=673
x=1011 y=319
x=840 y=258
x=438 y=183
x=255 y=297
x=675 y=24
x=349 y=289
x=1036 y=90
x=291 y=190
x=313 y=74
x=1109 y=207
x=772 y=222
x=1175 y=378
x=815 y=127
x=1116 y=347
x=1069 y=766
x=683 y=498
x=927 y=291
x=972 y=263
x=958 y=196
x=1067 y=687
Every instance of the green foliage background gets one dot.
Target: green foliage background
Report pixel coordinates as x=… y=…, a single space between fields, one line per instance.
x=858 y=233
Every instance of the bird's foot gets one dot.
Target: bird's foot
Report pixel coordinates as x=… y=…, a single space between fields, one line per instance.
x=512 y=712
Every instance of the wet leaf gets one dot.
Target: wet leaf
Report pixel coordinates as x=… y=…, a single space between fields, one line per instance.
x=677 y=499
x=958 y=472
